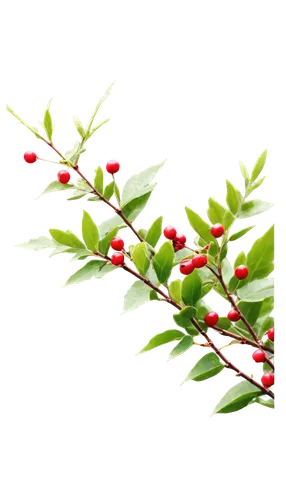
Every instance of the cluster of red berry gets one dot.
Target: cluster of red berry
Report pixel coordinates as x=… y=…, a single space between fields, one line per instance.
x=178 y=239
x=259 y=356
x=117 y=244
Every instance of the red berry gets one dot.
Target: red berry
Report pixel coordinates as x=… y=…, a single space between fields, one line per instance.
x=233 y=315
x=117 y=243
x=117 y=258
x=199 y=260
x=259 y=356
x=241 y=272
x=180 y=238
x=170 y=232
x=177 y=246
x=211 y=318
x=186 y=267
x=217 y=230
x=30 y=157
x=270 y=334
x=267 y=379
x=63 y=176
x=112 y=166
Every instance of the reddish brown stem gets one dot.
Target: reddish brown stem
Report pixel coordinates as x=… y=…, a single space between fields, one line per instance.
x=243 y=340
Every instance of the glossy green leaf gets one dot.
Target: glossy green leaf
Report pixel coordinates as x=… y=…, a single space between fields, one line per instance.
x=56 y=186
x=184 y=317
x=240 y=233
x=253 y=207
x=192 y=288
x=237 y=397
x=139 y=184
x=163 y=261
x=98 y=180
x=154 y=233
x=66 y=238
x=137 y=295
x=135 y=207
x=182 y=254
x=208 y=366
x=48 y=125
x=269 y=403
x=175 y=290
x=257 y=290
x=260 y=257
x=244 y=172
x=250 y=310
x=219 y=214
x=260 y=162
x=93 y=269
x=109 y=190
x=161 y=339
x=181 y=347
x=90 y=232
x=39 y=243
x=233 y=197
x=200 y=226
x=140 y=257
x=104 y=243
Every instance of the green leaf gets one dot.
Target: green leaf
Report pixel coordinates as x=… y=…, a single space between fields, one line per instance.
x=208 y=366
x=240 y=260
x=217 y=213
x=163 y=261
x=240 y=233
x=135 y=207
x=233 y=198
x=260 y=162
x=253 y=207
x=237 y=397
x=181 y=347
x=182 y=254
x=227 y=271
x=154 y=233
x=224 y=323
x=90 y=232
x=98 y=180
x=79 y=126
x=117 y=193
x=137 y=295
x=108 y=225
x=139 y=184
x=250 y=310
x=66 y=238
x=266 y=325
x=192 y=288
x=260 y=257
x=77 y=194
x=201 y=227
x=48 y=125
x=38 y=244
x=104 y=243
x=94 y=129
x=32 y=129
x=142 y=233
x=140 y=257
x=256 y=185
x=161 y=339
x=56 y=186
x=257 y=290
x=175 y=290
x=244 y=172
x=93 y=269
x=184 y=317
x=109 y=190
x=105 y=95
x=269 y=403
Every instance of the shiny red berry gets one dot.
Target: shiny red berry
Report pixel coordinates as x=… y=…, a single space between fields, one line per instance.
x=259 y=356
x=112 y=166
x=241 y=272
x=186 y=267
x=267 y=379
x=217 y=230
x=233 y=315
x=177 y=246
x=199 y=260
x=63 y=176
x=211 y=318
x=117 y=258
x=170 y=232
x=180 y=238
x=30 y=157
x=117 y=243
x=270 y=334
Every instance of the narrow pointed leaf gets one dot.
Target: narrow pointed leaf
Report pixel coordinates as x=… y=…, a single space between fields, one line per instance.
x=161 y=339
x=233 y=198
x=93 y=269
x=48 y=125
x=38 y=243
x=219 y=214
x=98 y=180
x=208 y=366
x=140 y=257
x=181 y=347
x=240 y=233
x=104 y=243
x=260 y=162
x=244 y=172
x=192 y=288
x=200 y=226
x=66 y=238
x=90 y=232
x=56 y=186
x=154 y=233
x=256 y=185
x=260 y=257
x=237 y=397
x=163 y=262
x=253 y=207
